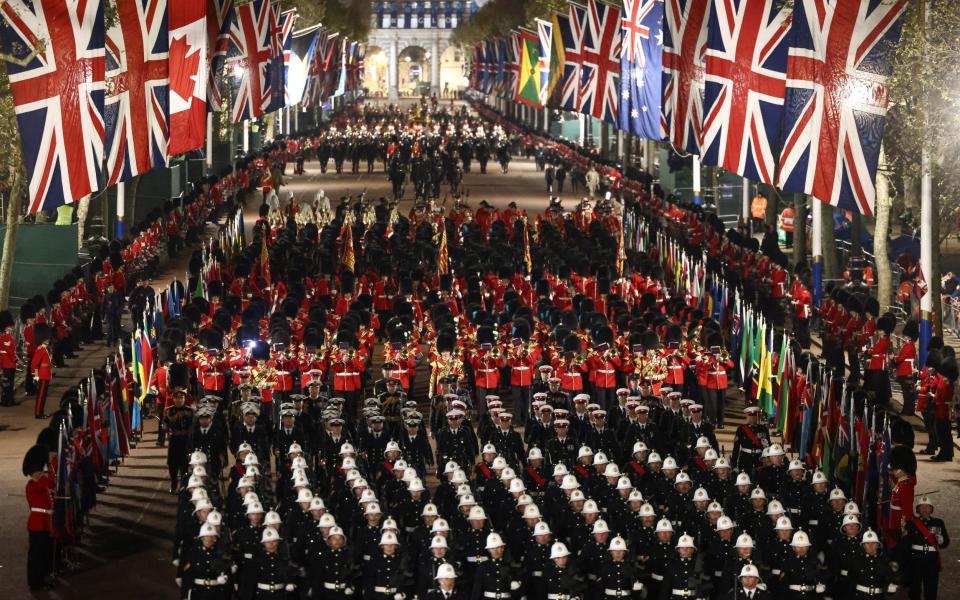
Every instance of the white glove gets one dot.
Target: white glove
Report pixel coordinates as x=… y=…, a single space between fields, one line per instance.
x=894 y=566
x=821 y=588
x=179 y=582
x=637 y=586
x=514 y=585
x=176 y=562
x=892 y=588
x=222 y=579
x=399 y=596
x=233 y=568
x=290 y=587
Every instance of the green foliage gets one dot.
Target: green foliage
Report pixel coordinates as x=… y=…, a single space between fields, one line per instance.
x=348 y=17
x=924 y=94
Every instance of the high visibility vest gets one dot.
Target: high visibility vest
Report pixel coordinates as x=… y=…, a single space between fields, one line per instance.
x=786 y=220
x=758 y=208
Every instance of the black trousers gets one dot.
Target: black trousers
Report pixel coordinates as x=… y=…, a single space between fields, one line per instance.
x=924 y=582
x=39 y=559
x=908 y=386
x=522 y=395
x=7 y=390
x=931 y=429
x=944 y=438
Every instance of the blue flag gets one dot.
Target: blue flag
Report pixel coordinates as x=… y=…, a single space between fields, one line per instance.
x=641 y=66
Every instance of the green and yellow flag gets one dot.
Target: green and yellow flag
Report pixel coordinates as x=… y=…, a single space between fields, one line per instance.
x=528 y=85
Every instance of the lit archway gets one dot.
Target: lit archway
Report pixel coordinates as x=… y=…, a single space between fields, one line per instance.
x=376 y=66
x=414 y=64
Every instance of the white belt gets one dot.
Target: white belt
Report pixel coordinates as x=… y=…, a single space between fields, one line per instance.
x=617 y=593
x=804 y=588
x=207 y=582
x=656 y=577
x=346 y=374
x=496 y=595
x=274 y=587
x=718 y=573
x=338 y=587
x=869 y=590
x=895 y=507
x=522 y=368
x=558 y=596
x=684 y=593
x=366 y=557
x=844 y=572
x=385 y=590
x=487 y=370
x=813 y=522
x=924 y=548
x=793 y=511
x=605 y=371
x=537 y=573
x=248 y=555
x=476 y=559
x=775 y=571
x=751 y=451
x=715 y=373
x=45 y=511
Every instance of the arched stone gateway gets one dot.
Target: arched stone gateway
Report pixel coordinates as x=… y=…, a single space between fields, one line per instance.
x=418 y=29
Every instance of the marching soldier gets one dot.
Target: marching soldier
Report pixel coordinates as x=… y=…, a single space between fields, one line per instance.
x=206 y=570
x=872 y=576
x=924 y=537
x=270 y=574
x=749 y=441
x=496 y=578
x=800 y=578
x=178 y=420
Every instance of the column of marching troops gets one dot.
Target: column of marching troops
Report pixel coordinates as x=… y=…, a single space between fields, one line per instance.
x=616 y=487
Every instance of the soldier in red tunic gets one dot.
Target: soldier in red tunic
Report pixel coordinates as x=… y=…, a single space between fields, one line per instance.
x=39 y=492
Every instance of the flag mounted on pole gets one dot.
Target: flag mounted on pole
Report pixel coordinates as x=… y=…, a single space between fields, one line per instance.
x=545 y=33
x=837 y=99
x=138 y=90
x=684 y=39
x=220 y=17
x=745 y=81
x=188 y=75
x=58 y=96
x=571 y=32
x=600 y=83
x=641 y=68
x=250 y=59
x=528 y=86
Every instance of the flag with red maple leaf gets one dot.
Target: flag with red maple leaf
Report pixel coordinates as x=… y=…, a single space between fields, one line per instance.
x=188 y=75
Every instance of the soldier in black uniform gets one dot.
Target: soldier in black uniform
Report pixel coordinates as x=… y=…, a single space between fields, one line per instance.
x=617 y=577
x=331 y=573
x=749 y=441
x=178 y=420
x=250 y=431
x=446 y=585
x=270 y=574
x=562 y=447
x=391 y=406
x=681 y=579
x=384 y=576
x=919 y=551
x=415 y=446
x=508 y=441
x=496 y=576
x=206 y=570
x=562 y=581
x=872 y=576
x=209 y=438
x=800 y=577
x=747 y=587
x=456 y=442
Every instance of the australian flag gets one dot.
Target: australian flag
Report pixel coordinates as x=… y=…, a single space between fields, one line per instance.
x=641 y=65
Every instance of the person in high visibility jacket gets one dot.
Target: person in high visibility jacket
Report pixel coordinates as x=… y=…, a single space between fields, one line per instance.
x=786 y=223
x=758 y=211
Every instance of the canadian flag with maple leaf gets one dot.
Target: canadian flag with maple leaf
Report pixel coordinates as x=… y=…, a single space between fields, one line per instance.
x=188 y=75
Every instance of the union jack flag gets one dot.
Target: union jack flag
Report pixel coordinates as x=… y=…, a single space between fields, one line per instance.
x=332 y=64
x=502 y=67
x=281 y=27
x=313 y=90
x=512 y=60
x=545 y=34
x=285 y=38
x=837 y=98
x=58 y=95
x=138 y=90
x=488 y=66
x=745 y=80
x=357 y=71
x=220 y=17
x=251 y=47
x=684 y=42
x=600 y=83
x=571 y=33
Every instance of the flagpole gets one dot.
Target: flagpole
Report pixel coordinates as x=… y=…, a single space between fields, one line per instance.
x=208 y=154
x=696 y=179
x=121 y=208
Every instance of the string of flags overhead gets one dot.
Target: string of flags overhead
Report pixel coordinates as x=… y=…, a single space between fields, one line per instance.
x=792 y=94
x=98 y=105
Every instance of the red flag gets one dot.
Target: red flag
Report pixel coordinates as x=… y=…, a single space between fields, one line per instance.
x=188 y=74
